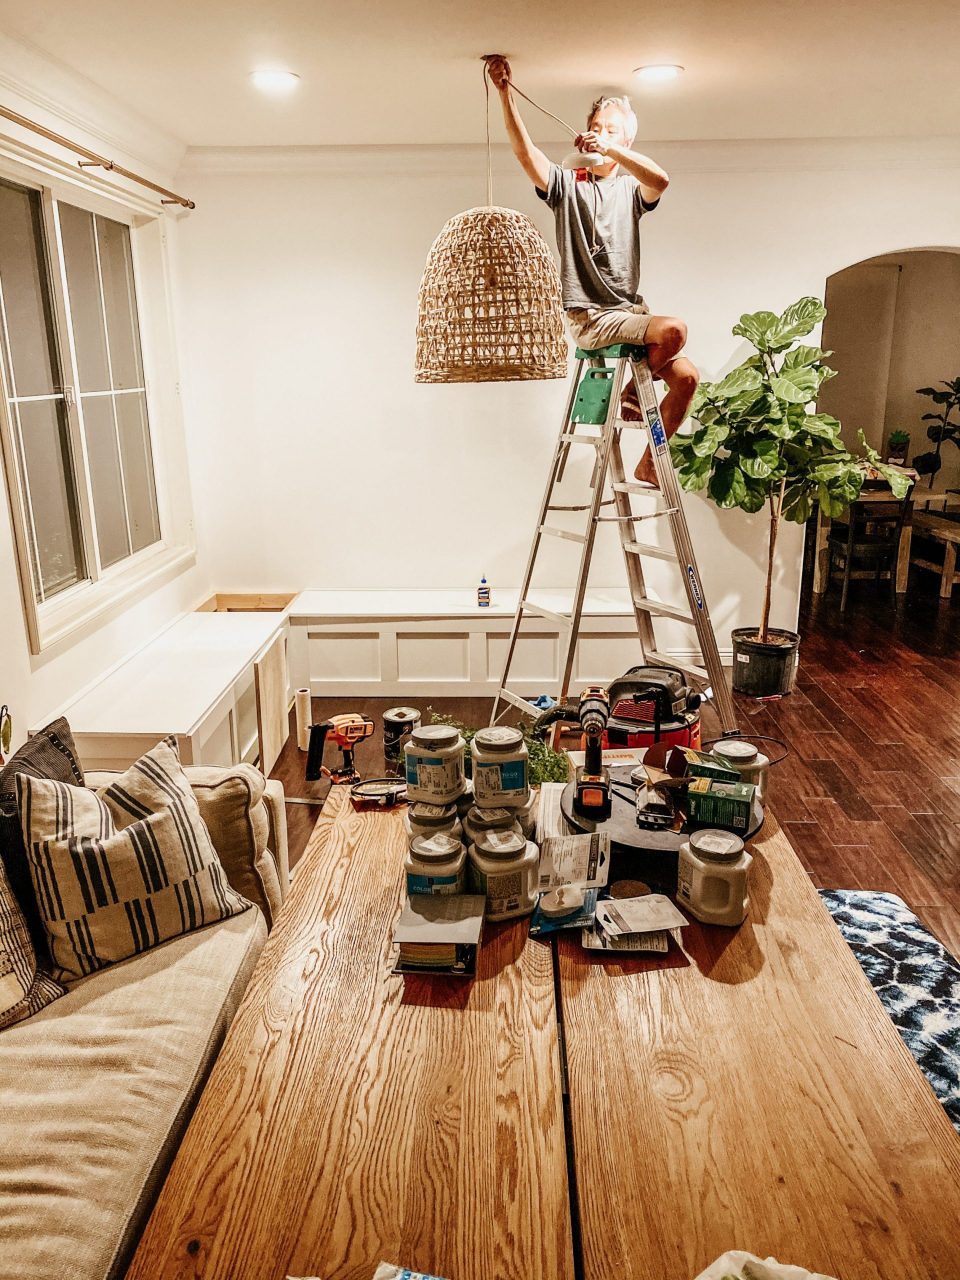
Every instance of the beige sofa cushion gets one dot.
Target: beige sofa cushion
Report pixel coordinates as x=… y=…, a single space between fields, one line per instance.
x=230 y=805
x=96 y=1092
x=120 y=871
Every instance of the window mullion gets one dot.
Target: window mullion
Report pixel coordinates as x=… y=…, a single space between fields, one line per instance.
x=71 y=389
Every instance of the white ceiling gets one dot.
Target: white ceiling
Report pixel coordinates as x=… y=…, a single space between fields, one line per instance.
x=391 y=71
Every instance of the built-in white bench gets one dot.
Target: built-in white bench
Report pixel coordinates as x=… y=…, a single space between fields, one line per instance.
x=416 y=644
x=197 y=680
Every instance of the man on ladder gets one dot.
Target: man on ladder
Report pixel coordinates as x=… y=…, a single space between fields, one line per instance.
x=598 y=214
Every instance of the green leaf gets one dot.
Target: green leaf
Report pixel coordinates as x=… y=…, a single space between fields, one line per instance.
x=762 y=460
x=898 y=480
x=6 y=731
x=823 y=425
x=727 y=485
x=799 y=509
x=737 y=380
x=695 y=473
x=927 y=464
x=708 y=440
x=797 y=386
x=755 y=497
x=796 y=322
x=801 y=357
x=756 y=327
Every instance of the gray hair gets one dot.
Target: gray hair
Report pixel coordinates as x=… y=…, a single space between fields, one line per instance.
x=622 y=104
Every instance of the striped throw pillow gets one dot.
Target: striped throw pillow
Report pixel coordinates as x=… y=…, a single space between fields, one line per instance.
x=23 y=990
x=119 y=871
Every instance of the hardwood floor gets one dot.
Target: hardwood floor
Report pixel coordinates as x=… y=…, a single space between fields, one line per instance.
x=869 y=796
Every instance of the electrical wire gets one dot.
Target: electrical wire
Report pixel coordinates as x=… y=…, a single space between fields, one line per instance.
x=595 y=248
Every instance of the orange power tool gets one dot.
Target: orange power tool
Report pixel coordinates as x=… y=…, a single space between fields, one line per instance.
x=346 y=731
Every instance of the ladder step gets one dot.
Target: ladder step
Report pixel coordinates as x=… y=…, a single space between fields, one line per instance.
x=629 y=486
x=516 y=701
x=569 y=437
x=648 y=549
x=661 y=610
x=560 y=619
x=562 y=533
x=665 y=660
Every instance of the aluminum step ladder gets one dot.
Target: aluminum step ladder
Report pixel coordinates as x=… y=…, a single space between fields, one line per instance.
x=594 y=400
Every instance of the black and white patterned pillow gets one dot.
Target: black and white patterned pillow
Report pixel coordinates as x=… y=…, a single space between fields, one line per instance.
x=119 y=871
x=50 y=753
x=916 y=978
x=23 y=990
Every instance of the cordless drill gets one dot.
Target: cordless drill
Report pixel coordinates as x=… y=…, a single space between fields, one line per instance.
x=346 y=731
x=592 y=789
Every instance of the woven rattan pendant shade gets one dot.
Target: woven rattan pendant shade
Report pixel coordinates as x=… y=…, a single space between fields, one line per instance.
x=490 y=302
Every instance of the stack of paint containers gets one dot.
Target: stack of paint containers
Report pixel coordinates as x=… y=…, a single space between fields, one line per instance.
x=436 y=857
x=503 y=860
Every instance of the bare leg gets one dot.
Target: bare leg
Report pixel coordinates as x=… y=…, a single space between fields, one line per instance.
x=664 y=340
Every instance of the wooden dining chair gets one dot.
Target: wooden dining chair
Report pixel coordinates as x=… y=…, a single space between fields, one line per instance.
x=867 y=544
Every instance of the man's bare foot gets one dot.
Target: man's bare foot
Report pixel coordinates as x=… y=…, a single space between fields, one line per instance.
x=646 y=472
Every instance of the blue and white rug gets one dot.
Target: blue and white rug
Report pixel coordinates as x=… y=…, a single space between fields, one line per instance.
x=916 y=978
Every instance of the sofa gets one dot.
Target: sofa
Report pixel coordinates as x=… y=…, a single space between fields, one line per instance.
x=97 y=1089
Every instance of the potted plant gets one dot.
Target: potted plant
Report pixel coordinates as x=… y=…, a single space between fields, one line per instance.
x=758 y=443
x=941 y=427
x=898 y=444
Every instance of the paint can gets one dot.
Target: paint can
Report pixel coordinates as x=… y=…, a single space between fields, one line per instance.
x=398 y=724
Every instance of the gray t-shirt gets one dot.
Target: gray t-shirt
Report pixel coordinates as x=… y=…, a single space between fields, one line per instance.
x=605 y=212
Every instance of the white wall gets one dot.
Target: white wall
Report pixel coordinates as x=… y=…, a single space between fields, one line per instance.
x=322 y=463
x=33 y=686
x=894 y=326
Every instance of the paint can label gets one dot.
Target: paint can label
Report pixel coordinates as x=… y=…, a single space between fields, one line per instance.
x=507 y=781
x=433 y=777
x=434 y=884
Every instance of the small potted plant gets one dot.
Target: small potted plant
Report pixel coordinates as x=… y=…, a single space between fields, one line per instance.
x=942 y=426
x=758 y=443
x=898 y=444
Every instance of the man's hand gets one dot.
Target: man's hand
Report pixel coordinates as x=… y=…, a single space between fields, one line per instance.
x=590 y=141
x=499 y=70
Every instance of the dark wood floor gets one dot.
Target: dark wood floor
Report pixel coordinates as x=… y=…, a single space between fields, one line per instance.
x=870 y=794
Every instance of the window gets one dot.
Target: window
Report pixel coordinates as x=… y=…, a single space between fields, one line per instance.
x=77 y=436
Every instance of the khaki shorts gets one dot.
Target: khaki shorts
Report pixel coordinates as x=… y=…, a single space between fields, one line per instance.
x=605 y=326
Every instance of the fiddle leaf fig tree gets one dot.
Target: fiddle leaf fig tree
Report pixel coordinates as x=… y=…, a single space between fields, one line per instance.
x=757 y=441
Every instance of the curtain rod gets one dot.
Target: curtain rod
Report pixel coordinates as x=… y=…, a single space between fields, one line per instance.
x=92 y=160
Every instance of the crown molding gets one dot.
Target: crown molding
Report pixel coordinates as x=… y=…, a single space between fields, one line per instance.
x=685 y=156
x=41 y=87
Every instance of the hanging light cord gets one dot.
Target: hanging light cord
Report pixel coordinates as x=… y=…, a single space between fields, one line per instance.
x=574 y=133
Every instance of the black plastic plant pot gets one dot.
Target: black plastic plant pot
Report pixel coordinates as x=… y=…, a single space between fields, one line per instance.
x=762 y=670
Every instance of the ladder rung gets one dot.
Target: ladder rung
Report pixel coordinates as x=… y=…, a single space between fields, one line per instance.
x=548 y=614
x=628 y=486
x=641 y=515
x=569 y=437
x=516 y=701
x=648 y=549
x=661 y=610
x=698 y=673
x=562 y=533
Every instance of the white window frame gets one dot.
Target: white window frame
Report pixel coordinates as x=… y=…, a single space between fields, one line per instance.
x=104 y=592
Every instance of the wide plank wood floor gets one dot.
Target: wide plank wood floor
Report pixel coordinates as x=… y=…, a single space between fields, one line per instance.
x=869 y=796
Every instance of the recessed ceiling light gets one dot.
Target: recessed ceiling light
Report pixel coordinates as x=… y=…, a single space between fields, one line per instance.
x=657 y=72
x=277 y=83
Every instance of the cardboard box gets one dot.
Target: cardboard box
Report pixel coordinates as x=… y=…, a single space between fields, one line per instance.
x=727 y=805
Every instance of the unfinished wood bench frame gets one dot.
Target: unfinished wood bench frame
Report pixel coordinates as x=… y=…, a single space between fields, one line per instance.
x=927 y=524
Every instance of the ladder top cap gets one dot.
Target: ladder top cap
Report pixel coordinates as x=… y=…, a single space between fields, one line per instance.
x=619 y=351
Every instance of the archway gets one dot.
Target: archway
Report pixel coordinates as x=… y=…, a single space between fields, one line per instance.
x=893 y=325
